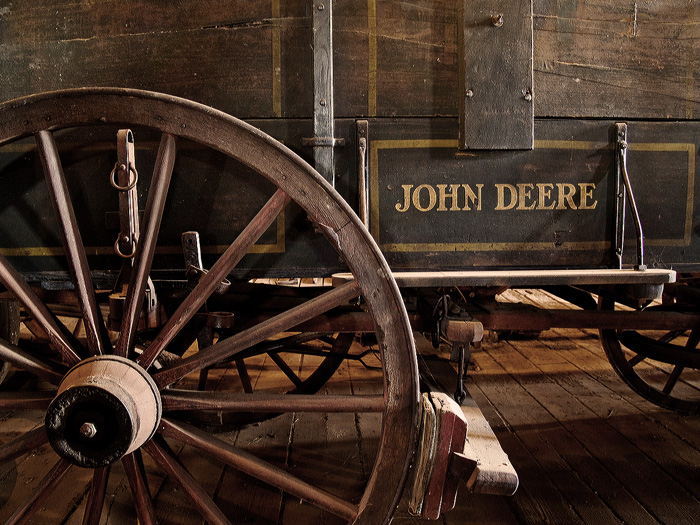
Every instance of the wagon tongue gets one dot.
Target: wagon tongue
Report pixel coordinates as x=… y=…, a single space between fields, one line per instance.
x=449 y=452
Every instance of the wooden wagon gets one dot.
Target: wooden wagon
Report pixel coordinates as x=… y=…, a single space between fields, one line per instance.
x=459 y=149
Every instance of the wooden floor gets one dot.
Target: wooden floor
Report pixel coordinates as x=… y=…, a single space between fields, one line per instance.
x=586 y=448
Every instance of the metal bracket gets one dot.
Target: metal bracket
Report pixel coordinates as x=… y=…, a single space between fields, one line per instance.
x=460 y=330
x=324 y=133
x=363 y=171
x=623 y=191
x=194 y=266
x=323 y=142
x=126 y=178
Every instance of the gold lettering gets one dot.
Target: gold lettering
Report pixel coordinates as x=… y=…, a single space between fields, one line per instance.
x=586 y=193
x=432 y=197
x=444 y=196
x=523 y=195
x=544 y=191
x=406 y=198
x=501 y=205
x=566 y=193
x=471 y=197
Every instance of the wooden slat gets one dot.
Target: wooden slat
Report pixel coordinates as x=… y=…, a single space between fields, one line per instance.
x=593 y=59
x=525 y=277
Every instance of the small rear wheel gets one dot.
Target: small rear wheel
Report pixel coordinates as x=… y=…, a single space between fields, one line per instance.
x=662 y=367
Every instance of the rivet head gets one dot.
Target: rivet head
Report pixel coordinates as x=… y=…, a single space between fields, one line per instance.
x=322 y=101
x=321 y=7
x=469 y=93
x=527 y=95
x=88 y=430
x=497 y=19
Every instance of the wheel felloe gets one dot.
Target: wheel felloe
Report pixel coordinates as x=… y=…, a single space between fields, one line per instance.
x=106 y=407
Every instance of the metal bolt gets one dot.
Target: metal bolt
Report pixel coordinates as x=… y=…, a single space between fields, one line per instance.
x=527 y=95
x=469 y=93
x=497 y=19
x=321 y=7
x=322 y=102
x=88 y=430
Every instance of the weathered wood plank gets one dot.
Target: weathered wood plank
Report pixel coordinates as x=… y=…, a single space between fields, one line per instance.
x=242 y=497
x=546 y=440
x=253 y=59
x=619 y=59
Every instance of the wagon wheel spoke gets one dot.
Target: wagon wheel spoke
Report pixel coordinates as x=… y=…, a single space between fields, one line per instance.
x=674 y=376
x=25 y=400
x=194 y=491
x=211 y=280
x=59 y=336
x=95 y=328
x=670 y=336
x=243 y=376
x=673 y=379
x=145 y=249
x=636 y=359
x=339 y=348
x=25 y=443
x=175 y=399
x=247 y=338
x=133 y=468
x=259 y=469
x=44 y=489
x=292 y=343
x=25 y=361
x=96 y=497
x=286 y=370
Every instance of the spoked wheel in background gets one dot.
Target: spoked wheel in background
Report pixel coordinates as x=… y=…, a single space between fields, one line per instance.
x=662 y=367
x=109 y=406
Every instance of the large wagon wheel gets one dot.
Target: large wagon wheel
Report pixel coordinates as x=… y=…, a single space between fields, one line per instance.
x=110 y=405
x=663 y=367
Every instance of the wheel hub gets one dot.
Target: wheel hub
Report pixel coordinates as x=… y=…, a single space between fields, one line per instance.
x=106 y=407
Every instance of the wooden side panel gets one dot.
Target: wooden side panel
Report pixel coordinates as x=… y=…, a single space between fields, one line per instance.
x=432 y=207
x=591 y=59
x=225 y=53
x=605 y=58
x=617 y=59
